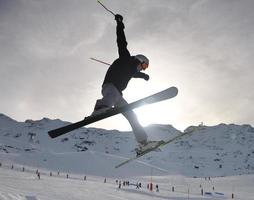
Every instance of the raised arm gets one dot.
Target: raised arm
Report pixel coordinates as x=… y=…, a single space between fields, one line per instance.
x=121 y=39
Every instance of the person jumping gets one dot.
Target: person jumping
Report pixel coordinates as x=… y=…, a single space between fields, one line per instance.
x=116 y=80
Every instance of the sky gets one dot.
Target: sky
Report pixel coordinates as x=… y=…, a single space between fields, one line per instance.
x=203 y=47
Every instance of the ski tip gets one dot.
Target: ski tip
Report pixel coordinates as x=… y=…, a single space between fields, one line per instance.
x=175 y=88
x=51 y=134
x=172 y=91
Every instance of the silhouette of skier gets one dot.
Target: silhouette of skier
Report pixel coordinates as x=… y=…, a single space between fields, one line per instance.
x=117 y=78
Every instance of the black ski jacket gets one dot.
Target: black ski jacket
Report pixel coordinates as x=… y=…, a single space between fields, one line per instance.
x=125 y=67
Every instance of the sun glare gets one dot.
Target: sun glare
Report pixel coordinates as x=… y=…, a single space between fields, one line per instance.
x=158 y=113
x=154 y=114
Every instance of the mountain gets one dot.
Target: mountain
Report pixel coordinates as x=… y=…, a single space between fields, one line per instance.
x=220 y=150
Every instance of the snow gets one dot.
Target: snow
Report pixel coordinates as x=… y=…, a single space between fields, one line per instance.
x=223 y=152
x=18 y=185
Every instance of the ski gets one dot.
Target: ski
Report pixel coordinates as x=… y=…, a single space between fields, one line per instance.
x=160 y=96
x=160 y=144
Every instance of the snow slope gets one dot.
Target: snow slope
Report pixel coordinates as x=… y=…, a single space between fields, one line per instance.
x=222 y=150
x=18 y=185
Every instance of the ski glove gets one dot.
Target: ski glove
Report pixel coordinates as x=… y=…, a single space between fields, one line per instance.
x=146 y=77
x=118 y=18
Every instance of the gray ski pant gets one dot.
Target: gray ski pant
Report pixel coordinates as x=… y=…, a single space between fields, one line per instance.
x=112 y=97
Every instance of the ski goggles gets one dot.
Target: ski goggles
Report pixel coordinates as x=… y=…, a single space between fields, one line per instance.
x=144 y=65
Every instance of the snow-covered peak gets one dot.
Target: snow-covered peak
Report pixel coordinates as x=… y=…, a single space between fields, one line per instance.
x=6 y=121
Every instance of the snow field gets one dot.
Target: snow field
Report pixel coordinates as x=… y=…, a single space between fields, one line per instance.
x=18 y=185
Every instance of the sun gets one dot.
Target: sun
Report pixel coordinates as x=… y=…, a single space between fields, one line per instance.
x=154 y=114
x=164 y=112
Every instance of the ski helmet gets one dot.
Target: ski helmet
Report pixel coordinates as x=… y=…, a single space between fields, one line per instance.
x=144 y=60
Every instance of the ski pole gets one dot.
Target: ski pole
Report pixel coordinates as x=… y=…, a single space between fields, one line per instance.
x=99 y=61
x=106 y=8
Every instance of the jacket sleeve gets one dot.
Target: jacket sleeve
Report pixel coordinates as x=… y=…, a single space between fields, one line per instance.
x=139 y=75
x=121 y=41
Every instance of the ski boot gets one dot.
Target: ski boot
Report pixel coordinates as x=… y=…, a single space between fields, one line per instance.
x=99 y=110
x=142 y=148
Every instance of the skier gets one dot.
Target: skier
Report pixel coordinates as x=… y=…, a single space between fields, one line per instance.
x=116 y=80
x=157 y=188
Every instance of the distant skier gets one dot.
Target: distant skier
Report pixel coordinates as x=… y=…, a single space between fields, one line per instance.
x=38 y=175
x=116 y=80
x=157 y=188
